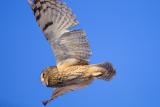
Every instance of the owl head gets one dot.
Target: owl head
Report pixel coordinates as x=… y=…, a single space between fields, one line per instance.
x=47 y=76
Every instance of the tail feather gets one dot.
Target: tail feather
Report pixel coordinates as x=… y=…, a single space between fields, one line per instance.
x=109 y=71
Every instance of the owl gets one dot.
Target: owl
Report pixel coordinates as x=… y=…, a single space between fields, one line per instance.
x=70 y=47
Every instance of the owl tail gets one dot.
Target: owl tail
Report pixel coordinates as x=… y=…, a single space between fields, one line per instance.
x=104 y=71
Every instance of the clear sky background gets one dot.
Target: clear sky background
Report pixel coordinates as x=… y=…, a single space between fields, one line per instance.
x=124 y=32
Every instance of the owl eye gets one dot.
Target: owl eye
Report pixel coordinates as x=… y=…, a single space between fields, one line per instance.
x=43 y=75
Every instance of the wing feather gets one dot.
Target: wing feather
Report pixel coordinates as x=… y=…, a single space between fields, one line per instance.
x=74 y=45
x=55 y=19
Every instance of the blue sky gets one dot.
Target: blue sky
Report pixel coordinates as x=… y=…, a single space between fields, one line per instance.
x=124 y=32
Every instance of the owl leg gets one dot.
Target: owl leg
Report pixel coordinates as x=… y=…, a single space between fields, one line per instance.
x=62 y=90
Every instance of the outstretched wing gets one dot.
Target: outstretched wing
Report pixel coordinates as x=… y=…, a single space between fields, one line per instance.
x=55 y=19
x=62 y=90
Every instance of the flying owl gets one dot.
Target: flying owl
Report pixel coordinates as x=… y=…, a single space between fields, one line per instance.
x=70 y=47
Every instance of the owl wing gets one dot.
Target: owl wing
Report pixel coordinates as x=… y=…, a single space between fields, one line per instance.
x=55 y=19
x=62 y=90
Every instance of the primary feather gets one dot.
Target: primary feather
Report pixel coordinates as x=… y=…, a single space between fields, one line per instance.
x=55 y=19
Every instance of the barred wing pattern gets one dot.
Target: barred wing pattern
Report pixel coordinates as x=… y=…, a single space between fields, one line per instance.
x=55 y=19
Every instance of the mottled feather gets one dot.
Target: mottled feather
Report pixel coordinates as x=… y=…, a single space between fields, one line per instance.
x=55 y=19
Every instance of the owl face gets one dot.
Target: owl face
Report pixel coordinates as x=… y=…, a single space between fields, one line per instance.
x=48 y=76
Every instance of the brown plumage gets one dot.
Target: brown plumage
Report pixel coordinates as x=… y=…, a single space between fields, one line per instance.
x=70 y=47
